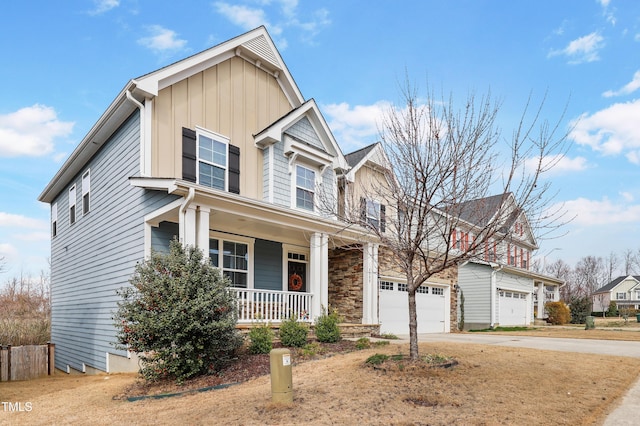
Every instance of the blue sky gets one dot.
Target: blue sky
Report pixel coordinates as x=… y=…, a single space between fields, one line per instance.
x=66 y=61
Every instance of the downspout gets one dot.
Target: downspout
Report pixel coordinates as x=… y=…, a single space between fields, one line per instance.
x=495 y=270
x=181 y=213
x=143 y=171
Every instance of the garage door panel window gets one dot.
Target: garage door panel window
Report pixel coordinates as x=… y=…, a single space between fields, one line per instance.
x=402 y=287
x=439 y=291
x=422 y=289
x=386 y=285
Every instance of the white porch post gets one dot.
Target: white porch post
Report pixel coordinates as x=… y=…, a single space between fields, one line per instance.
x=319 y=274
x=188 y=227
x=540 y=300
x=556 y=293
x=202 y=238
x=370 y=284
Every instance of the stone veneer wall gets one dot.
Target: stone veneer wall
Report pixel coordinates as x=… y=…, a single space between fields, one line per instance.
x=387 y=268
x=345 y=283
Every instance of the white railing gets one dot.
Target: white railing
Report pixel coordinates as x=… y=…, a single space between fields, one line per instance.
x=271 y=305
x=550 y=296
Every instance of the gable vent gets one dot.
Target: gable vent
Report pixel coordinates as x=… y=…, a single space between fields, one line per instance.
x=260 y=47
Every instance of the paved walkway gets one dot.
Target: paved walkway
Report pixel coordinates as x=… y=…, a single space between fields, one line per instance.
x=627 y=413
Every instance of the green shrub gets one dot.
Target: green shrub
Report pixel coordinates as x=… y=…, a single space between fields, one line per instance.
x=260 y=339
x=389 y=336
x=377 y=359
x=580 y=309
x=613 y=309
x=381 y=343
x=558 y=312
x=327 y=329
x=363 y=343
x=178 y=315
x=293 y=333
x=311 y=349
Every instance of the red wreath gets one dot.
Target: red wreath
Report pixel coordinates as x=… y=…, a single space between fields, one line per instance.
x=295 y=282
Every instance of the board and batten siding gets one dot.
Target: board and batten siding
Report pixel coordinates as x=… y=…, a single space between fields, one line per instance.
x=475 y=282
x=233 y=98
x=97 y=254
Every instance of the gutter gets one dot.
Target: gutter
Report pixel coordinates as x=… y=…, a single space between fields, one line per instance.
x=181 y=213
x=143 y=154
x=495 y=269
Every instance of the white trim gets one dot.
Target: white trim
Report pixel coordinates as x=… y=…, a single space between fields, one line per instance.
x=146 y=143
x=72 y=204
x=86 y=190
x=294 y=187
x=271 y=172
x=54 y=219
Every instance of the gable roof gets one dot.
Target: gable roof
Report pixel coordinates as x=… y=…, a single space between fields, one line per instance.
x=613 y=284
x=355 y=157
x=372 y=155
x=255 y=46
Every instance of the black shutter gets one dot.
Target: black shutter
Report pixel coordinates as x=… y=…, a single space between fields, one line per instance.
x=234 y=169
x=383 y=220
x=189 y=155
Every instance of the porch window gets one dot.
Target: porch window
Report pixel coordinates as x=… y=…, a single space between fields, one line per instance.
x=621 y=296
x=297 y=272
x=234 y=258
x=212 y=161
x=305 y=187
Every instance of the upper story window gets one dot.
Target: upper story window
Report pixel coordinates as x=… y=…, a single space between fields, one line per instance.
x=621 y=296
x=72 y=205
x=305 y=187
x=54 y=219
x=209 y=159
x=86 y=191
x=212 y=161
x=373 y=214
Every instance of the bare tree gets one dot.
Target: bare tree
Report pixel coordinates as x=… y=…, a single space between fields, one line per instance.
x=611 y=263
x=590 y=273
x=442 y=161
x=3 y=264
x=628 y=262
x=559 y=269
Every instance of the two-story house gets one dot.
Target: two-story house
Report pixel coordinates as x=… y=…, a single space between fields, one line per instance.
x=498 y=286
x=624 y=291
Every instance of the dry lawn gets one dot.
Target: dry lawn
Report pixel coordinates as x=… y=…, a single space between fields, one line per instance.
x=606 y=329
x=490 y=386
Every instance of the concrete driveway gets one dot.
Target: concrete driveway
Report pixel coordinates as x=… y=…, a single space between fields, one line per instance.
x=627 y=412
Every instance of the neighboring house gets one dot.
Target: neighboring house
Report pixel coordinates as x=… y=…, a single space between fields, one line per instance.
x=498 y=287
x=624 y=290
x=221 y=151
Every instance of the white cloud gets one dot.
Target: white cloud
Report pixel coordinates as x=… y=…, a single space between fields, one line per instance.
x=31 y=131
x=20 y=221
x=628 y=197
x=628 y=88
x=601 y=212
x=356 y=126
x=162 y=40
x=7 y=251
x=32 y=236
x=583 y=49
x=103 y=6
x=248 y=17
x=557 y=165
x=612 y=131
x=604 y=3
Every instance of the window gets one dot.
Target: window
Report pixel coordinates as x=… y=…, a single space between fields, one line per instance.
x=621 y=296
x=54 y=219
x=402 y=287
x=234 y=259
x=386 y=285
x=438 y=291
x=305 y=187
x=86 y=189
x=72 y=205
x=423 y=289
x=637 y=294
x=212 y=161
x=296 y=272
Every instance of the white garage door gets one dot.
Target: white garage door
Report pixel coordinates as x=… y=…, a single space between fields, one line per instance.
x=431 y=306
x=513 y=308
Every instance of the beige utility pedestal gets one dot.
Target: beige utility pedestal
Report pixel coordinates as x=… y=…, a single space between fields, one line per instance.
x=281 y=379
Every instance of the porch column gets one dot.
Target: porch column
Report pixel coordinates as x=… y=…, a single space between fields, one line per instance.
x=540 y=300
x=202 y=238
x=556 y=293
x=188 y=226
x=370 y=284
x=319 y=274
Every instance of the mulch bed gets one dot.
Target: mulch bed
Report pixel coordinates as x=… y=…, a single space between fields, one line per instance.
x=246 y=367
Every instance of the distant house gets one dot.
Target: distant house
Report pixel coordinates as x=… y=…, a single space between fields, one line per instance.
x=498 y=286
x=624 y=290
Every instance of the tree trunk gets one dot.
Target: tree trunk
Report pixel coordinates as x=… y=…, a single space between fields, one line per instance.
x=413 y=326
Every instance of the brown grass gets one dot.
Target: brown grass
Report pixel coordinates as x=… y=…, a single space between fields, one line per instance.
x=491 y=385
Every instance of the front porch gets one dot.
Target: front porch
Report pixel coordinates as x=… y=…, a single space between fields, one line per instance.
x=545 y=293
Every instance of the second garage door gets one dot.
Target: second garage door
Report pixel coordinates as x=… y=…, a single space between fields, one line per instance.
x=513 y=308
x=432 y=307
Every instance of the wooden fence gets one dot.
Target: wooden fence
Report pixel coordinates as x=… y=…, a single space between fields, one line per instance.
x=26 y=362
